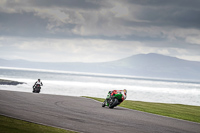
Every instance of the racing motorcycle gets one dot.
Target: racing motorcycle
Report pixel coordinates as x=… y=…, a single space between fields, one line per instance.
x=36 y=89
x=114 y=100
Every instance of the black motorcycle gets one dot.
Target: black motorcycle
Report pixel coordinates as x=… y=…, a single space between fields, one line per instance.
x=36 y=89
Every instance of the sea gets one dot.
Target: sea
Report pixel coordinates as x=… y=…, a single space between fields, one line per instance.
x=97 y=85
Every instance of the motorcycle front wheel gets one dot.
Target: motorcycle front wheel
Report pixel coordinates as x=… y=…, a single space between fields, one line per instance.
x=103 y=104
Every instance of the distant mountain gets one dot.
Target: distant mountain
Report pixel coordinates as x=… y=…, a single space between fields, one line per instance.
x=155 y=65
x=144 y=65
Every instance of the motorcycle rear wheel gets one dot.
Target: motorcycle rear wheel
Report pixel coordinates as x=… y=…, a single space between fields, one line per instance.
x=114 y=103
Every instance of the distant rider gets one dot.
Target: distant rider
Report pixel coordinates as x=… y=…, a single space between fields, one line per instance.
x=37 y=83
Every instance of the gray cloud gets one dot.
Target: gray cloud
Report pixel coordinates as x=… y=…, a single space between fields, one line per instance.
x=169 y=26
x=22 y=24
x=169 y=3
x=78 y=4
x=175 y=17
x=77 y=20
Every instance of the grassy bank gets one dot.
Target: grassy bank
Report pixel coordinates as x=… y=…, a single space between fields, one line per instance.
x=185 y=112
x=11 y=125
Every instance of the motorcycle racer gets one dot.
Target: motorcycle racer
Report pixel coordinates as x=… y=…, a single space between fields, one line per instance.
x=37 y=83
x=112 y=94
x=123 y=92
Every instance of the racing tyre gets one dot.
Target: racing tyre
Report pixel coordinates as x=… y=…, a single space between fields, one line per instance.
x=113 y=103
x=103 y=104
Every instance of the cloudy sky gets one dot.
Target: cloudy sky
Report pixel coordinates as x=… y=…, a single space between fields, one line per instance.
x=98 y=30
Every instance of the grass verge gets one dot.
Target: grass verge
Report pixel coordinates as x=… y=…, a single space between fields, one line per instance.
x=185 y=112
x=11 y=125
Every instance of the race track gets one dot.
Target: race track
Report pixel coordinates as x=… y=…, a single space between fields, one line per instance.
x=86 y=115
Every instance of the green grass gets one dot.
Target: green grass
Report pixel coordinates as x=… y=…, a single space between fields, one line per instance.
x=185 y=112
x=11 y=125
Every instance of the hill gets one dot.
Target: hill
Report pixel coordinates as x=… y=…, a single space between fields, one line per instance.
x=145 y=65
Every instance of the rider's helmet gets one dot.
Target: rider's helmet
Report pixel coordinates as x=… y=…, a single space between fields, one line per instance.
x=39 y=80
x=125 y=91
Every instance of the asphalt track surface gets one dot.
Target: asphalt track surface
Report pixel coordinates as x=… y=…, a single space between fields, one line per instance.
x=86 y=115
